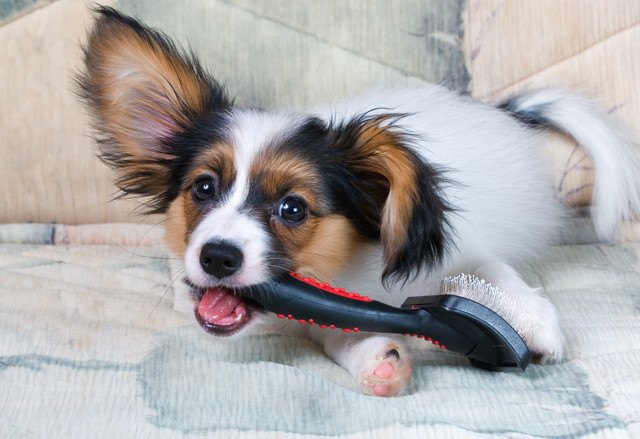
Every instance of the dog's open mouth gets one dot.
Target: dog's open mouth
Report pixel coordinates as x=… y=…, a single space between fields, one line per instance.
x=221 y=312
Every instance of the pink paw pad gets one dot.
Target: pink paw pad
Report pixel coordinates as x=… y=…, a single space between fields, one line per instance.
x=385 y=371
x=382 y=389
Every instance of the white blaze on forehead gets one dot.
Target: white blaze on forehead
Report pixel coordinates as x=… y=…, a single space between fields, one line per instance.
x=251 y=132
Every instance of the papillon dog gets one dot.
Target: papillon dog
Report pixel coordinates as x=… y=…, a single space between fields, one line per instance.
x=386 y=192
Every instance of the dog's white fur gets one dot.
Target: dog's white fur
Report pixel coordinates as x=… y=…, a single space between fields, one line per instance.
x=507 y=213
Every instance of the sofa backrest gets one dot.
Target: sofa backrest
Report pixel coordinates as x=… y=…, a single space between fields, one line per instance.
x=290 y=55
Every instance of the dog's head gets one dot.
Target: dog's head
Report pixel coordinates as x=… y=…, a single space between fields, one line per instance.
x=249 y=193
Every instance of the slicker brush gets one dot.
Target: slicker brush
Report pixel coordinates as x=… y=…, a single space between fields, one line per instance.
x=468 y=316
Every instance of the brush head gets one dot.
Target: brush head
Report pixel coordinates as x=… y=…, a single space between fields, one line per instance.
x=484 y=314
x=484 y=293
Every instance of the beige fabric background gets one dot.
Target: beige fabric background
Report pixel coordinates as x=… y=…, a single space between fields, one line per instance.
x=47 y=169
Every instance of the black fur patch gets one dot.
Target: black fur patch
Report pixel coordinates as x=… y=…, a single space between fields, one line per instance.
x=532 y=117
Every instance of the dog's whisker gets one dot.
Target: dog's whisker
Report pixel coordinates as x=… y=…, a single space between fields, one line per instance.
x=167 y=258
x=145 y=234
x=173 y=278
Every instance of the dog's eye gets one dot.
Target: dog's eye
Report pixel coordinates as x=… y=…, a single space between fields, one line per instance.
x=203 y=189
x=292 y=209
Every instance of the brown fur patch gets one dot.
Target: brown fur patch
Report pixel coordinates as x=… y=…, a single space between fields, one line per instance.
x=327 y=248
x=279 y=174
x=192 y=213
x=219 y=160
x=141 y=91
x=176 y=227
x=386 y=158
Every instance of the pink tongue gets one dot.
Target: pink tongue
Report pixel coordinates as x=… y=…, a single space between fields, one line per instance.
x=217 y=305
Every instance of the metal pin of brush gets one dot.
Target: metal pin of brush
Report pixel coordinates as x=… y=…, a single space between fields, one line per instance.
x=468 y=316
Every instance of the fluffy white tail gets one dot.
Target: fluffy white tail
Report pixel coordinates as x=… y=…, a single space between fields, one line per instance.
x=612 y=147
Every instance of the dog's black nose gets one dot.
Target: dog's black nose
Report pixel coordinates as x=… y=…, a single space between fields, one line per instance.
x=220 y=259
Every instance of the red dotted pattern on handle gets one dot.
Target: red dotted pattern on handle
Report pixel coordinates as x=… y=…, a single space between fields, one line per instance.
x=329 y=289
x=312 y=322
x=347 y=330
x=349 y=295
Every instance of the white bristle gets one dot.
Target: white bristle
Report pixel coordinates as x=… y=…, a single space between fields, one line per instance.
x=477 y=289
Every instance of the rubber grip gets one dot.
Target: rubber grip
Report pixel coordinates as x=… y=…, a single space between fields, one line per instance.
x=488 y=341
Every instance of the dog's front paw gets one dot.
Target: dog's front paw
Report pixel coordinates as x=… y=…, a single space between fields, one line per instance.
x=546 y=340
x=386 y=371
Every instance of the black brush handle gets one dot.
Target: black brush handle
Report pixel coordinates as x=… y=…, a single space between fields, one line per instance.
x=307 y=301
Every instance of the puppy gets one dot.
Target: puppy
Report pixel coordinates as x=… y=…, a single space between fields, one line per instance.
x=395 y=188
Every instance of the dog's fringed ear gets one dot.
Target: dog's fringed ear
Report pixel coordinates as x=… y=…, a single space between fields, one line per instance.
x=393 y=194
x=143 y=92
